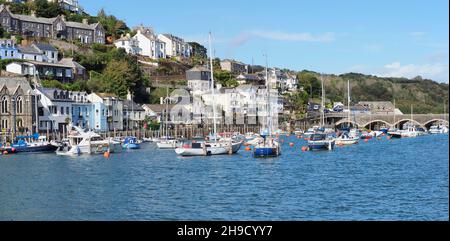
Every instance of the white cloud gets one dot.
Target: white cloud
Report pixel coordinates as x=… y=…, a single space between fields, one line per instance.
x=417 y=34
x=295 y=37
x=436 y=71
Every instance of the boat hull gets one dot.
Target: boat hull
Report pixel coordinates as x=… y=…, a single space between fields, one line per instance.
x=36 y=149
x=264 y=152
x=321 y=145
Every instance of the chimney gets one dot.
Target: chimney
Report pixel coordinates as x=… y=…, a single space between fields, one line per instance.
x=85 y=21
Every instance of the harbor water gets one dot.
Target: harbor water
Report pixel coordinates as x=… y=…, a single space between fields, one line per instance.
x=402 y=179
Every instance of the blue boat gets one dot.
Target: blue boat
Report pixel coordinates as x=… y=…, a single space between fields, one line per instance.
x=269 y=148
x=131 y=142
x=33 y=144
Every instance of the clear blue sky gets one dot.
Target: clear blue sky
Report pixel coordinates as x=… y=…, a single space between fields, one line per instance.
x=386 y=38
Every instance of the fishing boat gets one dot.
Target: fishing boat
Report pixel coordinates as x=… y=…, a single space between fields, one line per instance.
x=269 y=147
x=131 y=142
x=34 y=144
x=87 y=142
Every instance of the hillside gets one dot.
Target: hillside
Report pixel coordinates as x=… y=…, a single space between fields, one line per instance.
x=426 y=96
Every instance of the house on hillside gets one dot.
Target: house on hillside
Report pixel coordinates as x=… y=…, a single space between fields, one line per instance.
x=131 y=45
x=8 y=49
x=65 y=71
x=175 y=46
x=55 y=28
x=148 y=43
x=235 y=67
x=199 y=79
x=108 y=109
x=40 y=52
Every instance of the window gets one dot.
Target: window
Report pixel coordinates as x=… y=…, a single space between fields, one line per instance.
x=4 y=106
x=62 y=110
x=67 y=110
x=19 y=105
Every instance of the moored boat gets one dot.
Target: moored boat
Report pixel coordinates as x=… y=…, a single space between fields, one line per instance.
x=321 y=141
x=131 y=142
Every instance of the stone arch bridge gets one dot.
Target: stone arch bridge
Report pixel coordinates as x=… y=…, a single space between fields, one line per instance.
x=374 y=122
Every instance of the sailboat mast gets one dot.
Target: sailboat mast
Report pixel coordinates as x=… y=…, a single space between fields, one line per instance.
x=395 y=112
x=323 y=103
x=269 y=115
x=212 y=86
x=348 y=102
x=167 y=113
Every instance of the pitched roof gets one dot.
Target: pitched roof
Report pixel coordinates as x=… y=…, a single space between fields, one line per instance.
x=157 y=108
x=29 y=49
x=61 y=95
x=45 y=47
x=12 y=84
x=199 y=68
x=131 y=105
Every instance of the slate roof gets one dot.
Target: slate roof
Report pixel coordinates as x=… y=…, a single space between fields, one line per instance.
x=12 y=84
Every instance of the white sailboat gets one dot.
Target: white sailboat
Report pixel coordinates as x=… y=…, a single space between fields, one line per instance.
x=167 y=142
x=351 y=137
x=321 y=140
x=214 y=146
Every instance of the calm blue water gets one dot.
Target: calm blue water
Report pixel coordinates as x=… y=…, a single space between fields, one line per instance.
x=403 y=179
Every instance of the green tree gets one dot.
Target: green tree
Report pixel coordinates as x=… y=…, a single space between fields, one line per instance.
x=119 y=77
x=47 y=9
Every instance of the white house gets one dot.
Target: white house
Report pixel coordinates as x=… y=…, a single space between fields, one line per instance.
x=149 y=44
x=131 y=45
x=199 y=79
x=55 y=109
x=39 y=52
x=175 y=46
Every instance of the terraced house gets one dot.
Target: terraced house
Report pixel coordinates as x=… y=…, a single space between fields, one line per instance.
x=55 y=28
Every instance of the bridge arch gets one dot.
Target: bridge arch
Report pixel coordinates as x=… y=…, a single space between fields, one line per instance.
x=339 y=124
x=371 y=123
x=429 y=123
x=400 y=123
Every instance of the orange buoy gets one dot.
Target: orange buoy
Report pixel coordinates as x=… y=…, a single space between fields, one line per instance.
x=304 y=148
x=106 y=154
x=291 y=144
x=248 y=149
x=366 y=140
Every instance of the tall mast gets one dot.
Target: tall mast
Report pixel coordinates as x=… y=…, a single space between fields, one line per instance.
x=212 y=87
x=167 y=113
x=269 y=115
x=323 y=103
x=395 y=112
x=349 y=112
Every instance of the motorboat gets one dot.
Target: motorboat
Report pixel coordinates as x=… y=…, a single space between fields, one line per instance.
x=168 y=143
x=321 y=141
x=307 y=135
x=347 y=138
x=438 y=129
x=34 y=144
x=131 y=142
x=87 y=142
